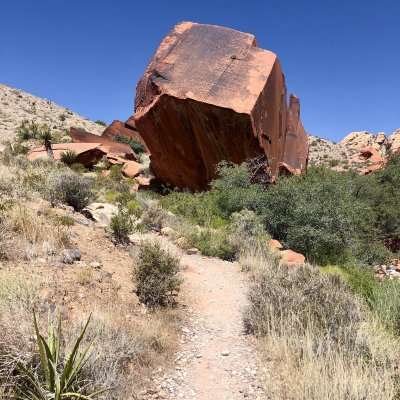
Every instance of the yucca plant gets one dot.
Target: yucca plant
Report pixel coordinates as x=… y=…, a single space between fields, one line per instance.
x=59 y=379
x=68 y=157
x=46 y=137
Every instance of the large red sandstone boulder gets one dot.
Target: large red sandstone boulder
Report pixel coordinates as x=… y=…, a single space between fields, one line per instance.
x=210 y=94
x=110 y=147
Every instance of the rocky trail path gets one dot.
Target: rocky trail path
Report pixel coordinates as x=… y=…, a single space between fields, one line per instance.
x=216 y=360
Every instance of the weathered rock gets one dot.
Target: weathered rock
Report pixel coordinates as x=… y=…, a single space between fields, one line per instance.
x=131 y=169
x=380 y=138
x=68 y=256
x=110 y=147
x=394 y=141
x=358 y=140
x=101 y=212
x=371 y=168
x=125 y=129
x=168 y=231
x=210 y=94
x=372 y=155
x=296 y=145
x=291 y=258
x=87 y=154
x=275 y=244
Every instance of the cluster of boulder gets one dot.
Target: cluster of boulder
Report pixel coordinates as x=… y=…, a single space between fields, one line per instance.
x=90 y=148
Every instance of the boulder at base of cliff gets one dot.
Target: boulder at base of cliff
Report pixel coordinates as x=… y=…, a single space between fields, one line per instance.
x=211 y=94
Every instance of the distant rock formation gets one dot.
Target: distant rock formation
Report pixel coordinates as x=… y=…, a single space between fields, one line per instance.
x=210 y=94
x=362 y=151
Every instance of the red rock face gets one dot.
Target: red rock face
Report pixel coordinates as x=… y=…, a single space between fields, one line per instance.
x=210 y=94
x=125 y=129
x=110 y=147
x=296 y=144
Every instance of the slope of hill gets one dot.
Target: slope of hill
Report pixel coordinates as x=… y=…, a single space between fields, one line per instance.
x=17 y=105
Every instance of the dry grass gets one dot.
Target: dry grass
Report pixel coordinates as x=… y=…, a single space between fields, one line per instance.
x=321 y=342
x=18 y=296
x=127 y=347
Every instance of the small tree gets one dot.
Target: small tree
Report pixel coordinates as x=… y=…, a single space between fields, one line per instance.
x=46 y=137
x=156 y=275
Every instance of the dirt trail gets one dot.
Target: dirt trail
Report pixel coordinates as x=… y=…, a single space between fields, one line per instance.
x=215 y=360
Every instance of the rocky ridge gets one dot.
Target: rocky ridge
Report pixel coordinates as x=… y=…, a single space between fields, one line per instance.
x=17 y=105
x=349 y=152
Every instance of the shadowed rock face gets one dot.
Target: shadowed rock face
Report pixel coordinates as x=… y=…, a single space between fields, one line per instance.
x=210 y=94
x=125 y=129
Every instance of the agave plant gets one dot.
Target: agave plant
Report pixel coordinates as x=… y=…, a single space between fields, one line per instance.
x=61 y=379
x=68 y=157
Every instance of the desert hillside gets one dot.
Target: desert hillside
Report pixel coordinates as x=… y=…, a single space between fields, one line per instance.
x=17 y=105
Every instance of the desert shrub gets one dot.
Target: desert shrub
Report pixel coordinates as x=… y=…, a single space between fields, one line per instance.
x=78 y=168
x=156 y=275
x=381 y=190
x=116 y=172
x=125 y=349
x=68 y=157
x=213 y=243
x=68 y=187
x=62 y=117
x=27 y=130
x=323 y=341
x=136 y=145
x=152 y=214
x=121 y=225
x=334 y=162
x=321 y=302
x=18 y=295
x=316 y=214
x=100 y=122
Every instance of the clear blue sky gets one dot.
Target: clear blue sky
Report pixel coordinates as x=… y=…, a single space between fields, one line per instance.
x=342 y=58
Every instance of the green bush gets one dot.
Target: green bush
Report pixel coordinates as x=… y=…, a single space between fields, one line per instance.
x=100 y=122
x=68 y=187
x=316 y=214
x=78 y=167
x=27 y=130
x=156 y=275
x=121 y=225
x=213 y=243
x=136 y=145
x=381 y=190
